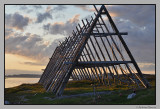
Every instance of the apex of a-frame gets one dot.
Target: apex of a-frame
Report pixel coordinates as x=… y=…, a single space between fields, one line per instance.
x=92 y=57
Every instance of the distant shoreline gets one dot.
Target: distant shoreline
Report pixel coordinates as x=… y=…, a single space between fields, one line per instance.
x=33 y=76
x=23 y=76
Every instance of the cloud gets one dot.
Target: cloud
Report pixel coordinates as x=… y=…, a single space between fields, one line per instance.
x=48 y=9
x=62 y=28
x=13 y=71
x=50 y=49
x=34 y=63
x=147 y=66
x=145 y=14
x=37 y=6
x=16 y=21
x=44 y=16
x=85 y=8
x=138 y=21
x=30 y=45
x=29 y=8
x=59 y=8
x=23 y=7
x=74 y=19
x=8 y=32
x=140 y=39
x=58 y=11
x=25 y=45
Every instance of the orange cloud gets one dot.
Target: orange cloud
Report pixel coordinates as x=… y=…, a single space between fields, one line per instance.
x=58 y=23
x=113 y=14
x=48 y=9
x=75 y=18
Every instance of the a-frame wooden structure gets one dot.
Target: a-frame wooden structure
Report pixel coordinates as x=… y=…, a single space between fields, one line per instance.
x=92 y=53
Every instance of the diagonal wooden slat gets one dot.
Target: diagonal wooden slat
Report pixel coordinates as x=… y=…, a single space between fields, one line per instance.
x=91 y=53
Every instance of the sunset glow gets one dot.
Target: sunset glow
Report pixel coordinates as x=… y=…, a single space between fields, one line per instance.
x=20 y=62
x=32 y=32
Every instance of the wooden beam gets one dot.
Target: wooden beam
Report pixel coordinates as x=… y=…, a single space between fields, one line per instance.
x=104 y=34
x=98 y=63
x=126 y=48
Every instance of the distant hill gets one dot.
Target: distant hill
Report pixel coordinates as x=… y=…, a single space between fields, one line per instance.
x=23 y=76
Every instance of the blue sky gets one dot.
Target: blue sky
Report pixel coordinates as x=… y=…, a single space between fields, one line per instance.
x=32 y=32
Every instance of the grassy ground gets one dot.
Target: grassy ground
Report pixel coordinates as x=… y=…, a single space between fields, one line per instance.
x=35 y=94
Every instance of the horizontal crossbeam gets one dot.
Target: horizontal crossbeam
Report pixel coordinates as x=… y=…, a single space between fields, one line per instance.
x=98 y=63
x=104 y=34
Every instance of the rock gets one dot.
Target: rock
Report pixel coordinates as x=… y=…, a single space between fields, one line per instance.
x=35 y=94
x=6 y=102
x=120 y=94
x=130 y=96
x=48 y=98
x=99 y=97
x=25 y=99
x=22 y=97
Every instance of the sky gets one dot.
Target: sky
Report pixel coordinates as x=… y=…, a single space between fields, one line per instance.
x=32 y=32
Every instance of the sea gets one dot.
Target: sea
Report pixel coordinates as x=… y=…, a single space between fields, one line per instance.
x=12 y=82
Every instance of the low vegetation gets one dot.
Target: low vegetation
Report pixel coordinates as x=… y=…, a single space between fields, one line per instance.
x=35 y=94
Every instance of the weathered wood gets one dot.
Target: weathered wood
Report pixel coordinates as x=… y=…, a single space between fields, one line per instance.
x=89 y=76
x=115 y=44
x=110 y=46
x=67 y=77
x=99 y=63
x=81 y=56
x=127 y=49
x=91 y=68
x=104 y=34
x=70 y=45
x=58 y=84
x=79 y=53
x=99 y=78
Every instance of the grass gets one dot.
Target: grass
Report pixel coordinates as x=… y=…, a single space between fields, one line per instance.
x=35 y=94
